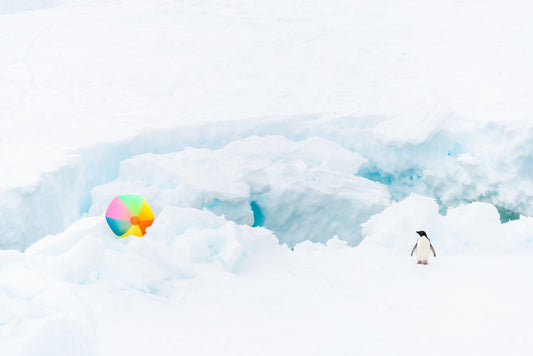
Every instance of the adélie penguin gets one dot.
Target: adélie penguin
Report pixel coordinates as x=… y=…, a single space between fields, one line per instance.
x=423 y=247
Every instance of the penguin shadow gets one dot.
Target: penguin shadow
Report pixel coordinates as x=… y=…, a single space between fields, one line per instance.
x=423 y=249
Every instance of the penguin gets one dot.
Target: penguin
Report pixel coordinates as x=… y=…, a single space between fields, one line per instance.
x=422 y=247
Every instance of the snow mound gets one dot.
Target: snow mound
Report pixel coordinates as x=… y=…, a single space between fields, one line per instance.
x=471 y=227
x=89 y=252
x=300 y=190
x=456 y=163
x=48 y=284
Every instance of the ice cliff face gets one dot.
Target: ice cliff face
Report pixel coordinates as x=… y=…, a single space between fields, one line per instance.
x=302 y=191
x=304 y=178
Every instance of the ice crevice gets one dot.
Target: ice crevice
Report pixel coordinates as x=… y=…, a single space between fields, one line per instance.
x=242 y=207
x=62 y=196
x=305 y=178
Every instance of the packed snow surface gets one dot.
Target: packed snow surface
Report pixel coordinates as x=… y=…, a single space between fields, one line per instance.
x=200 y=284
x=290 y=151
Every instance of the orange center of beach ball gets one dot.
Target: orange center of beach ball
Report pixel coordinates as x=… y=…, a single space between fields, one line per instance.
x=134 y=220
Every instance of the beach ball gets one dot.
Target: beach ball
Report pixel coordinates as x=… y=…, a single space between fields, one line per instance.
x=129 y=214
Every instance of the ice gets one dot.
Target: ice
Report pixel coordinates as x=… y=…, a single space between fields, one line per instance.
x=300 y=190
x=49 y=283
x=468 y=228
x=164 y=81
x=198 y=275
x=454 y=162
x=88 y=251
x=290 y=151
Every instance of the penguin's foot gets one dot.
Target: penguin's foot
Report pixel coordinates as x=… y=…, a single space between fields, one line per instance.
x=419 y=262
x=425 y=262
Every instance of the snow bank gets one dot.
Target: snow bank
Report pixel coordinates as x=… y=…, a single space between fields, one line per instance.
x=198 y=276
x=447 y=159
x=416 y=114
x=369 y=110
x=468 y=228
x=300 y=190
x=34 y=207
x=445 y=156
x=89 y=252
x=67 y=293
x=47 y=286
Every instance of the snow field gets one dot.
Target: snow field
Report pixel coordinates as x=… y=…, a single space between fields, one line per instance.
x=259 y=131
x=48 y=284
x=206 y=280
x=199 y=284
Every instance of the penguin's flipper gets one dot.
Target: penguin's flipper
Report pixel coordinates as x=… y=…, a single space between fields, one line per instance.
x=432 y=249
x=414 y=248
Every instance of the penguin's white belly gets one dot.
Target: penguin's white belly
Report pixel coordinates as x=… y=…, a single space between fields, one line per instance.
x=422 y=249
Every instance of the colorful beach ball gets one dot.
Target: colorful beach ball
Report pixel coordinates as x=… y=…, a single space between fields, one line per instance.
x=129 y=214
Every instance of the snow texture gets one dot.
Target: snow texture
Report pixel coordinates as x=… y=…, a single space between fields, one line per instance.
x=290 y=151
x=435 y=95
x=198 y=276
x=454 y=164
x=302 y=191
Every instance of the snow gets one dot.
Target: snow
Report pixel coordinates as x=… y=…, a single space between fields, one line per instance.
x=456 y=164
x=470 y=228
x=290 y=151
x=201 y=284
x=170 y=64
x=289 y=183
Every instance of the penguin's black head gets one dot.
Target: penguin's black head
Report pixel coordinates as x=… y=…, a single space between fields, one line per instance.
x=422 y=233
